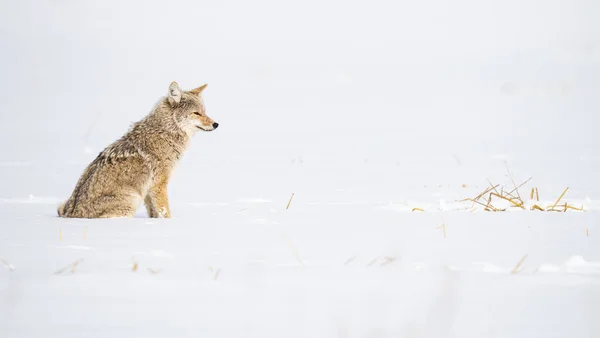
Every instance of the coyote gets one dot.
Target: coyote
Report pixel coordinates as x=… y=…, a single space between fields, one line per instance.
x=136 y=168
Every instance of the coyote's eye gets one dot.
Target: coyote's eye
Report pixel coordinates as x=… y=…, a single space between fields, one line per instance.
x=197 y=113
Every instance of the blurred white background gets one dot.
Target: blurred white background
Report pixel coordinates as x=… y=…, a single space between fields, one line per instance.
x=323 y=80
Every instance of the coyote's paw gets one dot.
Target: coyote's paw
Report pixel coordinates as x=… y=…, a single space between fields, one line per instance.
x=164 y=213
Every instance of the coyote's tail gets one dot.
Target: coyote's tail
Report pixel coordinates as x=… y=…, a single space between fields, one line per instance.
x=61 y=209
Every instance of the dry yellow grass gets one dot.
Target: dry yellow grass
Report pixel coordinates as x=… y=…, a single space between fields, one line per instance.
x=531 y=194
x=559 y=198
x=486 y=206
x=511 y=200
x=486 y=191
x=134 y=267
x=534 y=193
x=289 y=202
x=516 y=189
x=493 y=186
x=536 y=207
x=443 y=227
x=573 y=208
x=513 y=196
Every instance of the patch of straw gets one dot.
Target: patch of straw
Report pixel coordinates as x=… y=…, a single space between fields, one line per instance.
x=514 y=197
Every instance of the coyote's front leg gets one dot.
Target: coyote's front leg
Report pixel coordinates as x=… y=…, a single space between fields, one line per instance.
x=149 y=203
x=157 y=202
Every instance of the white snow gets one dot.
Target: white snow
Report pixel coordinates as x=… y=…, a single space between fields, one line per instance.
x=379 y=117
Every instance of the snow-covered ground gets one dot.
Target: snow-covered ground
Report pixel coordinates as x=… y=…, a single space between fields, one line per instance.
x=379 y=117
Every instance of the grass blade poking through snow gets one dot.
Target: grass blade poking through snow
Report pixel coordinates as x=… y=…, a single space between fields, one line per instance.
x=517 y=267
x=443 y=227
x=559 y=198
x=134 y=267
x=289 y=202
x=516 y=189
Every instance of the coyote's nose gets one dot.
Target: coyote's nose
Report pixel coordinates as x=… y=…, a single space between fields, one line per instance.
x=215 y=125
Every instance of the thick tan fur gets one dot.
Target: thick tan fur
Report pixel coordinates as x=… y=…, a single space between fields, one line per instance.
x=136 y=168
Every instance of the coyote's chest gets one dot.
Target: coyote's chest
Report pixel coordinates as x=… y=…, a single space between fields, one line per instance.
x=164 y=161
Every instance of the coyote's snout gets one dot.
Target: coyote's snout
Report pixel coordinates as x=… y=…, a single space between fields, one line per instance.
x=136 y=168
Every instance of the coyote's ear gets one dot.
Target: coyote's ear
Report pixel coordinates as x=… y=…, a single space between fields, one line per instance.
x=174 y=94
x=198 y=90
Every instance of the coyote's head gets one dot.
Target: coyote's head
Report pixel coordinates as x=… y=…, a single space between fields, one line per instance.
x=188 y=109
